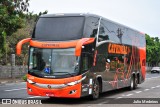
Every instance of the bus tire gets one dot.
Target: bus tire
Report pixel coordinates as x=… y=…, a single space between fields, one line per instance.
x=133 y=83
x=136 y=82
x=96 y=90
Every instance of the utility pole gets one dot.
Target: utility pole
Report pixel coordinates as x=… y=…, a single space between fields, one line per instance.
x=12 y=64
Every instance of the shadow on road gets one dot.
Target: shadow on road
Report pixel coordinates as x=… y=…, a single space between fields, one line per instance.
x=104 y=97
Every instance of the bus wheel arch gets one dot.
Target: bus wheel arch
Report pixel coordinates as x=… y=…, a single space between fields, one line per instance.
x=100 y=84
x=96 y=89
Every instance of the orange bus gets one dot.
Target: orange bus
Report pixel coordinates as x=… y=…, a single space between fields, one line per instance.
x=77 y=55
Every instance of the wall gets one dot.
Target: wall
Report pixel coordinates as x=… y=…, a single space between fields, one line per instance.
x=12 y=71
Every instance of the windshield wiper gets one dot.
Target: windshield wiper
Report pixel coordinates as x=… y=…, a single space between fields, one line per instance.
x=66 y=73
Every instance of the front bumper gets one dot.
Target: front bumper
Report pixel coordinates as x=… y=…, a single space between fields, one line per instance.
x=66 y=92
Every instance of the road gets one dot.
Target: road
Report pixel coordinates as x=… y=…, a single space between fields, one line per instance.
x=149 y=89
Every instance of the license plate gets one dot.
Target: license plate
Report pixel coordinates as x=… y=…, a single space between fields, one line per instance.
x=49 y=94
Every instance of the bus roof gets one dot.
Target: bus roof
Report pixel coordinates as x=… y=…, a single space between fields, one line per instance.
x=69 y=14
x=85 y=15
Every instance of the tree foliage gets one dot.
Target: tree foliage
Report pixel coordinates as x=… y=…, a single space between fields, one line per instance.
x=25 y=32
x=153 y=50
x=11 y=19
x=16 y=23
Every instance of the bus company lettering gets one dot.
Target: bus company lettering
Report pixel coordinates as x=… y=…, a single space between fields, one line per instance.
x=118 y=49
x=50 y=45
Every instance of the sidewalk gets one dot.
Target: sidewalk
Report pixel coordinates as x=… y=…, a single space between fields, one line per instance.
x=10 y=80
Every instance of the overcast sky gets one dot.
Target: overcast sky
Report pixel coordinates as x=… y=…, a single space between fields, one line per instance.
x=142 y=15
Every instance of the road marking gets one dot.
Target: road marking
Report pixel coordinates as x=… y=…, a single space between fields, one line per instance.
x=153 y=87
x=119 y=97
x=129 y=95
x=146 y=89
x=34 y=97
x=138 y=92
x=153 y=77
x=158 y=86
x=104 y=102
x=16 y=89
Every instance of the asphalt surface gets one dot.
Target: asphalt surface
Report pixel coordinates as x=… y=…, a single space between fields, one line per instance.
x=149 y=90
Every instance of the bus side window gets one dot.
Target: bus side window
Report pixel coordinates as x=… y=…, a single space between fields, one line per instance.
x=113 y=64
x=117 y=62
x=102 y=34
x=84 y=62
x=107 y=64
x=106 y=31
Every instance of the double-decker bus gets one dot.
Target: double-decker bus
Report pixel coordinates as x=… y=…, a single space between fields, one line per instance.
x=77 y=55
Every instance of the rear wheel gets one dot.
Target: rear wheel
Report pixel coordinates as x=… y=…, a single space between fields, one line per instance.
x=133 y=83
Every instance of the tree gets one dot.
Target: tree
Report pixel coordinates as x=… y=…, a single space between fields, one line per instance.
x=24 y=32
x=153 y=50
x=11 y=19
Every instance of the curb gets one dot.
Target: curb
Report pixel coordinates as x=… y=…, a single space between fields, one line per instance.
x=6 y=82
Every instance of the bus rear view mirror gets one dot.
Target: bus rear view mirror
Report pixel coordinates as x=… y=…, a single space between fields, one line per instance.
x=108 y=60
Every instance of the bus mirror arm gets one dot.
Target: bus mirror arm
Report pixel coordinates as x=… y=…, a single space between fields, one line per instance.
x=82 y=42
x=19 y=45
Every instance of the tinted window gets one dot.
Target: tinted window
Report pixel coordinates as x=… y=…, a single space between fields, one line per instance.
x=91 y=26
x=116 y=62
x=59 y=28
x=108 y=31
x=103 y=34
x=84 y=62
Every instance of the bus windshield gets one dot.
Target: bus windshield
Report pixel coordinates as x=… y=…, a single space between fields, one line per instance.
x=53 y=63
x=59 y=28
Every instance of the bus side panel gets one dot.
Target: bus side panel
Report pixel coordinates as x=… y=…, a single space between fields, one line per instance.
x=108 y=76
x=111 y=66
x=143 y=63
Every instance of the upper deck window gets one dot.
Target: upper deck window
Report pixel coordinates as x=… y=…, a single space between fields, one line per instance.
x=59 y=28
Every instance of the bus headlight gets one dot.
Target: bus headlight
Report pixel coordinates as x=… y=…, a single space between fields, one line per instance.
x=76 y=82
x=30 y=81
x=72 y=83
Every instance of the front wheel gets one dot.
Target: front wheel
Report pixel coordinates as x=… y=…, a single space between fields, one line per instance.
x=96 y=90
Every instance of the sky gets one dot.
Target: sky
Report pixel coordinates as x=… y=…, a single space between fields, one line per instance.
x=142 y=15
